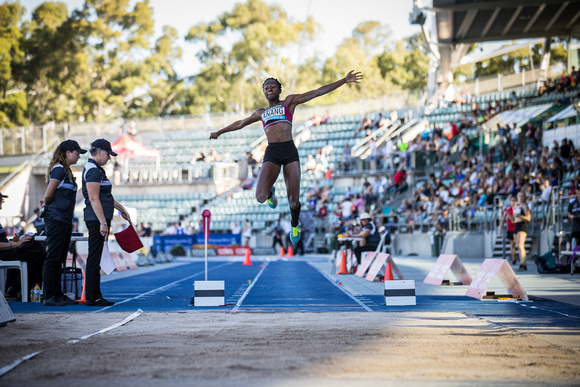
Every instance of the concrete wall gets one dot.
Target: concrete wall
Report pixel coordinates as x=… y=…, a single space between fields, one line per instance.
x=468 y=244
x=464 y=244
x=405 y=244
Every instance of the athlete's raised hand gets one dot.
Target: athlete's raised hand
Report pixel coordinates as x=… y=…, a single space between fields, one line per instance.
x=353 y=77
x=214 y=135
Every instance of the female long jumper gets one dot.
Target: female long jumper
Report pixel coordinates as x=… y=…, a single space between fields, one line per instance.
x=281 y=151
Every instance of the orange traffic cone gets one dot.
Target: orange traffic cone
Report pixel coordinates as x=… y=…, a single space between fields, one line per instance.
x=83 y=299
x=343 y=269
x=290 y=252
x=281 y=251
x=388 y=273
x=247 y=261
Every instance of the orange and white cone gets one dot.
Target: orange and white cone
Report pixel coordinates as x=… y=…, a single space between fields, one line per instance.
x=83 y=299
x=343 y=269
x=247 y=261
x=388 y=273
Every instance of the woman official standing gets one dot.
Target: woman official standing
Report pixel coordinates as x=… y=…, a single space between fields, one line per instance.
x=281 y=151
x=59 y=202
x=98 y=213
x=521 y=218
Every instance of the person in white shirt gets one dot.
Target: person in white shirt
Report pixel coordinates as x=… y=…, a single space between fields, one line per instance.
x=388 y=153
x=546 y=191
x=328 y=148
x=170 y=230
x=247 y=233
x=346 y=209
x=473 y=177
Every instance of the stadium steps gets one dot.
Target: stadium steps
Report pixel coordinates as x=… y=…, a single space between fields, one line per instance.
x=497 y=248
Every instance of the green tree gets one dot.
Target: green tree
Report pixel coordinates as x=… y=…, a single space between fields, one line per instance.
x=405 y=64
x=260 y=34
x=119 y=42
x=165 y=89
x=12 y=103
x=358 y=52
x=53 y=54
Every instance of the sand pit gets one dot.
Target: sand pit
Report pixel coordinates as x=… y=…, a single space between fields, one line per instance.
x=284 y=349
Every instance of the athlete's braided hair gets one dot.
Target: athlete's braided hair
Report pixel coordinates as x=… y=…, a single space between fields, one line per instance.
x=272 y=79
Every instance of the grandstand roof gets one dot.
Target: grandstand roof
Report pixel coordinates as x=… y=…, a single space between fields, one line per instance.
x=470 y=21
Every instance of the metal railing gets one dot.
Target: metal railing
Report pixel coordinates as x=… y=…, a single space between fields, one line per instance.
x=27 y=140
x=179 y=174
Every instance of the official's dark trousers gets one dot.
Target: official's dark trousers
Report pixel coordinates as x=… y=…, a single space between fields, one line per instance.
x=359 y=249
x=277 y=240
x=93 y=275
x=57 y=243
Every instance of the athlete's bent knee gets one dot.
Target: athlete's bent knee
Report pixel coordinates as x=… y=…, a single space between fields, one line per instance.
x=261 y=198
x=293 y=203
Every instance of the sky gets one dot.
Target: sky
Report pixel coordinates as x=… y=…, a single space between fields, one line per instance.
x=337 y=19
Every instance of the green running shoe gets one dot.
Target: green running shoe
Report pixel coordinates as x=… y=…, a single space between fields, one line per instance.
x=295 y=234
x=272 y=202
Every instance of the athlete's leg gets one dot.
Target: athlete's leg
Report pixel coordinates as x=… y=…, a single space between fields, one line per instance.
x=522 y=248
x=513 y=250
x=268 y=175
x=292 y=179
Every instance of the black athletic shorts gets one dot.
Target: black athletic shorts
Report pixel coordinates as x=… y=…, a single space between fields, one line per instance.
x=510 y=235
x=521 y=227
x=281 y=153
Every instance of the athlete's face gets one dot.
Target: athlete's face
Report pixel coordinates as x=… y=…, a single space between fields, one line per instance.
x=271 y=90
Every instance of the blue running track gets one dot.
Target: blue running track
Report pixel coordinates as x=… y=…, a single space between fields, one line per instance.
x=294 y=286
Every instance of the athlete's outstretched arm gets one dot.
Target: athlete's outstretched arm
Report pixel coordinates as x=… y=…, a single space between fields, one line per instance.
x=297 y=99
x=237 y=125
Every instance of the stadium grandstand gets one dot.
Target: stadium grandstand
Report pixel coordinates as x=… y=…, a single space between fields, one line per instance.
x=460 y=148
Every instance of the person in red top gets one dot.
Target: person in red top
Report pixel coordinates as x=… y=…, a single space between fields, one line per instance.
x=511 y=226
x=399 y=177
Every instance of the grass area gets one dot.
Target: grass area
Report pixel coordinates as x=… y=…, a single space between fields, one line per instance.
x=8 y=169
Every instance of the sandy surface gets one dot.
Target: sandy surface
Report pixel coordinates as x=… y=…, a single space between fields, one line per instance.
x=205 y=348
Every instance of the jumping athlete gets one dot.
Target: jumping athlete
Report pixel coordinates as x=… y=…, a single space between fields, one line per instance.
x=281 y=151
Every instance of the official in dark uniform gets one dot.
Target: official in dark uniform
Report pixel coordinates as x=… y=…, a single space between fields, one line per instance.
x=574 y=215
x=100 y=206
x=370 y=233
x=59 y=200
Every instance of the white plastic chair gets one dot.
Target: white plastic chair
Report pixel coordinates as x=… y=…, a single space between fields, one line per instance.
x=23 y=267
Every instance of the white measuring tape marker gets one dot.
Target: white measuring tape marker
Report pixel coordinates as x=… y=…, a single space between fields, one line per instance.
x=8 y=368
x=138 y=313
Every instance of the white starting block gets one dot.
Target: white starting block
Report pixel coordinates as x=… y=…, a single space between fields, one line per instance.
x=400 y=292
x=209 y=293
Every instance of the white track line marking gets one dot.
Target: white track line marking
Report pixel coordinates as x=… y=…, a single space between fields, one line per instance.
x=332 y=281
x=8 y=368
x=239 y=303
x=548 y=310
x=162 y=287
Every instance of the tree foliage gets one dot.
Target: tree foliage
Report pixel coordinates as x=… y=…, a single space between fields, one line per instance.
x=102 y=61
